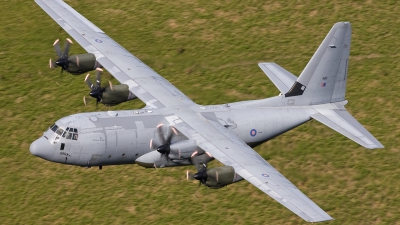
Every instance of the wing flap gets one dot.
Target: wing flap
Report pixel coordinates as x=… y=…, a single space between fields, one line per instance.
x=282 y=78
x=343 y=122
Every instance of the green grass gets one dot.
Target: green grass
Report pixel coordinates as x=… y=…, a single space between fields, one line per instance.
x=209 y=50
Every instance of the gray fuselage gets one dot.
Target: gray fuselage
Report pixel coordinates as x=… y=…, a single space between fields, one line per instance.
x=120 y=137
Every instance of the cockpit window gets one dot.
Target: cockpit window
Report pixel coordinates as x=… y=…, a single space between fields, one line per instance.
x=54 y=127
x=68 y=136
x=59 y=131
x=71 y=134
x=68 y=133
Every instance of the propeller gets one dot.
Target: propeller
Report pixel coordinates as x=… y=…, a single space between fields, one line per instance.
x=163 y=142
x=201 y=175
x=200 y=159
x=96 y=91
x=62 y=60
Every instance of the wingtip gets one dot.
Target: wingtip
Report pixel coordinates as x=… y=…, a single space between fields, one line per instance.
x=377 y=146
x=321 y=220
x=342 y=24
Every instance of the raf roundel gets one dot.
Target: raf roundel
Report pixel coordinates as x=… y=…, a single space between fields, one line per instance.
x=99 y=41
x=253 y=132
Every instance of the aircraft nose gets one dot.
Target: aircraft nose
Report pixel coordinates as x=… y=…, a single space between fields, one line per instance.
x=42 y=148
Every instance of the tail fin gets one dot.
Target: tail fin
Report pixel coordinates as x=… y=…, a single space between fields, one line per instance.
x=323 y=80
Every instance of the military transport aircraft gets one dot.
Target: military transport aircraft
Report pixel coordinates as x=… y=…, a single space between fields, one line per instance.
x=172 y=130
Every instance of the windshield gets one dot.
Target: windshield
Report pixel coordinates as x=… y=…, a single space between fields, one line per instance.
x=69 y=133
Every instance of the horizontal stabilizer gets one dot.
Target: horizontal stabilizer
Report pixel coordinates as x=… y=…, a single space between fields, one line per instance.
x=282 y=78
x=341 y=121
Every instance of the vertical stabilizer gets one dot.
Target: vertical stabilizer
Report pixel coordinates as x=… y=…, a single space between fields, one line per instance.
x=323 y=80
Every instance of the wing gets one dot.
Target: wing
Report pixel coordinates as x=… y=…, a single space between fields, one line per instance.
x=143 y=82
x=282 y=78
x=227 y=148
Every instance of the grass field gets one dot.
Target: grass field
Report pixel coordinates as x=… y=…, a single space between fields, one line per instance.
x=210 y=51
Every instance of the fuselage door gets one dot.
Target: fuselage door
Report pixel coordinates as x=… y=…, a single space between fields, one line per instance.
x=111 y=140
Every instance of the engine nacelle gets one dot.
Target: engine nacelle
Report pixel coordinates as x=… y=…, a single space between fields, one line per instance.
x=82 y=63
x=119 y=93
x=221 y=176
x=182 y=149
x=155 y=159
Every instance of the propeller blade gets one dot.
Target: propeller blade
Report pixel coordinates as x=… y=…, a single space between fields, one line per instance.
x=195 y=160
x=189 y=176
x=111 y=87
x=98 y=77
x=168 y=134
x=88 y=81
x=57 y=48
x=52 y=64
x=66 y=47
x=161 y=133
x=174 y=130
x=77 y=60
x=200 y=158
x=84 y=100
